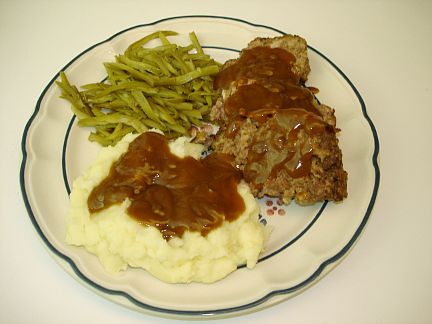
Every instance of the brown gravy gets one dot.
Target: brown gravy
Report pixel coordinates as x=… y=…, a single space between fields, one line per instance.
x=269 y=94
x=256 y=63
x=287 y=145
x=264 y=81
x=171 y=193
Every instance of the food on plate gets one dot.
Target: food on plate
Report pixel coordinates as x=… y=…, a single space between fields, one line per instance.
x=170 y=206
x=152 y=203
x=168 y=87
x=278 y=133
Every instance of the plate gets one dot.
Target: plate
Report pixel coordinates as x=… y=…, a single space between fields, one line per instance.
x=306 y=242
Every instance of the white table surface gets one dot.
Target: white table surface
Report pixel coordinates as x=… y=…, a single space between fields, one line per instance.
x=385 y=48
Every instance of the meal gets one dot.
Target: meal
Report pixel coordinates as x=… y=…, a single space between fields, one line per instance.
x=179 y=199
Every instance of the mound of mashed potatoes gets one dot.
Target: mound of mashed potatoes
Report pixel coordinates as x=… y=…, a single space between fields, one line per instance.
x=120 y=241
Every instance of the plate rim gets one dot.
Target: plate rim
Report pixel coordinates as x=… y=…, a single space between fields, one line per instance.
x=228 y=310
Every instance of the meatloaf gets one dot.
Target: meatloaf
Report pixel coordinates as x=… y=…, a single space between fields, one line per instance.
x=280 y=136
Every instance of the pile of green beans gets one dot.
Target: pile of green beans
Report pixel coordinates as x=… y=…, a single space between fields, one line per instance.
x=168 y=87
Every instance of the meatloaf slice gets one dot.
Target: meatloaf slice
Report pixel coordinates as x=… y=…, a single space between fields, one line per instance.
x=300 y=68
x=293 y=44
x=306 y=166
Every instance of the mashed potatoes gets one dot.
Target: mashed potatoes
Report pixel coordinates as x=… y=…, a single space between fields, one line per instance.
x=119 y=241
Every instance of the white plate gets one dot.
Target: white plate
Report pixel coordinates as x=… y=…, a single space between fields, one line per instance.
x=305 y=243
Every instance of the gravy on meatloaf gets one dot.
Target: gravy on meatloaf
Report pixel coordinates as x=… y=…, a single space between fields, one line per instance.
x=274 y=84
x=282 y=138
x=288 y=146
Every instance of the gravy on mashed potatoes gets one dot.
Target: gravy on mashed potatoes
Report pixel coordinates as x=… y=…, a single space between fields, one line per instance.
x=177 y=239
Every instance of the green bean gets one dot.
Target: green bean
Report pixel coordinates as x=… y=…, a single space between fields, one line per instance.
x=71 y=93
x=170 y=120
x=137 y=85
x=119 y=131
x=168 y=87
x=195 y=43
x=113 y=119
x=145 y=106
x=178 y=128
x=193 y=113
x=160 y=63
x=101 y=139
x=146 y=39
x=137 y=74
x=186 y=49
x=163 y=39
x=141 y=66
x=179 y=105
x=181 y=63
x=185 y=78
x=152 y=124
x=196 y=121
x=143 y=52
